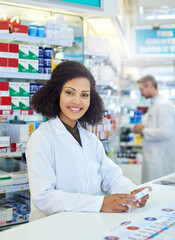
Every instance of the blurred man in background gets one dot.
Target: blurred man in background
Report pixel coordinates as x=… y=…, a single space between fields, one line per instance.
x=157 y=130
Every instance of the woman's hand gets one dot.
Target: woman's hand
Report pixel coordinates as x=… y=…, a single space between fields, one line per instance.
x=118 y=203
x=142 y=201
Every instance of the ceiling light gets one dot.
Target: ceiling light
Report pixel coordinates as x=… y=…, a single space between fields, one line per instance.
x=141 y=10
x=165 y=16
x=150 y=17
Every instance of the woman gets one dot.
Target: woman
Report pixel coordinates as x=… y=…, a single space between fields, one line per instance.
x=67 y=165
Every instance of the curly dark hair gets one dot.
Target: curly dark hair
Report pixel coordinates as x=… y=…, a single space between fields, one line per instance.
x=46 y=99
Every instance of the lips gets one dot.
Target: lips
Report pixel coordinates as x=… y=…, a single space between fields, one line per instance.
x=75 y=109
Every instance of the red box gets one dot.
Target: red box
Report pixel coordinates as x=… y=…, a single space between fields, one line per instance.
x=13 y=48
x=4 y=26
x=12 y=65
x=3 y=64
x=5 y=100
x=4 y=48
x=3 y=149
x=13 y=147
x=12 y=62
x=4 y=86
x=20 y=29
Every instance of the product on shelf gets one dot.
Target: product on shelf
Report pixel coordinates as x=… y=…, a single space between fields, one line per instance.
x=6 y=215
x=5 y=178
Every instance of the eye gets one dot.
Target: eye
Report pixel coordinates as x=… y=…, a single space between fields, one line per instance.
x=69 y=92
x=85 y=95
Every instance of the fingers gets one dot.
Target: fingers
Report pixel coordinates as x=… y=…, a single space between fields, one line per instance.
x=121 y=202
x=142 y=201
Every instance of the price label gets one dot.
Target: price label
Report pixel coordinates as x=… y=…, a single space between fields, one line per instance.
x=6 y=112
x=23 y=187
x=4 y=190
x=42 y=40
x=24 y=112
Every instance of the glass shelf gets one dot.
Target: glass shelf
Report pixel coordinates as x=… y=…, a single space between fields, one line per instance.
x=14 y=188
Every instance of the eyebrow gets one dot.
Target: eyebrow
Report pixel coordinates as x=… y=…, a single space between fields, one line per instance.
x=75 y=89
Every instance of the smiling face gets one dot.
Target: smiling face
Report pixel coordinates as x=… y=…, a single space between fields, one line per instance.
x=74 y=100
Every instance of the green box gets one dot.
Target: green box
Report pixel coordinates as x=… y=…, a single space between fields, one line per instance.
x=14 y=89
x=23 y=65
x=23 y=51
x=33 y=52
x=33 y=66
x=24 y=89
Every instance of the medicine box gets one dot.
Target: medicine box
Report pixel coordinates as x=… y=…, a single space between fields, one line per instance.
x=23 y=51
x=4 y=27
x=12 y=65
x=33 y=66
x=33 y=88
x=3 y=64
x=20 y=29
x=4 y=141
x=5 y=102
x=23 y=65
x=4 y=88
x=5 y=179
x=14 y=89
x=20 y=177
x=13 y=50
x=4 y=50
x=24 y=89
x=15 y=103
x=33 y=52
x=24 y=103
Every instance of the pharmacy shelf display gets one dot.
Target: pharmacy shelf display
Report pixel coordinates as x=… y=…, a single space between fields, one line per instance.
x=14 y=194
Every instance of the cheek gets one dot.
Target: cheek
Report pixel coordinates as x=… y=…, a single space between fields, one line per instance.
x=87 y=103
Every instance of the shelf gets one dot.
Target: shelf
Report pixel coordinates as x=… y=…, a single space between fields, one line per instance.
x=96 y=54
x=130 y=144
x=36 y=40
x=31 y=76
x=10 y=112
x=14 y=188
x=11 y=154
x=11 y=224
x=127 y=161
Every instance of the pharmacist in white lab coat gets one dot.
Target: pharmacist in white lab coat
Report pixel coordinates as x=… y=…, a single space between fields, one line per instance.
x=67 y=165
x=158 y=131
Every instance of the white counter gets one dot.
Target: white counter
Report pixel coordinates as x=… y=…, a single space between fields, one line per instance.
x=82 y=226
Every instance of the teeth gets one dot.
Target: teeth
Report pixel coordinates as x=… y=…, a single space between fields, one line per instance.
x=75 y=109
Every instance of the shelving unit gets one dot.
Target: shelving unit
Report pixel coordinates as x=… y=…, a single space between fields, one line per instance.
x=61 y=45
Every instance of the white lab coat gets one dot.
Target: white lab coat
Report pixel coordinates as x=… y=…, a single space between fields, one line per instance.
x=158 y=140
x=63 y=176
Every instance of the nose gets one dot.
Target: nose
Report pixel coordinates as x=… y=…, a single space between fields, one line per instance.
x=76 y=100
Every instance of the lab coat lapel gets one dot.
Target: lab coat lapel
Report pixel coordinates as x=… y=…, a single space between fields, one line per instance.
x=83 y=135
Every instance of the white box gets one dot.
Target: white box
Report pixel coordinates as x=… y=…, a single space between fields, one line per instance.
x=5 y=141
x=20 y=177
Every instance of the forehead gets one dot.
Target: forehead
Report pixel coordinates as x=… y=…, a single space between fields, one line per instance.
x=80 y=82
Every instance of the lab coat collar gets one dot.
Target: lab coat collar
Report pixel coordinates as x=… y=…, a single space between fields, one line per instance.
x=61 y=129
